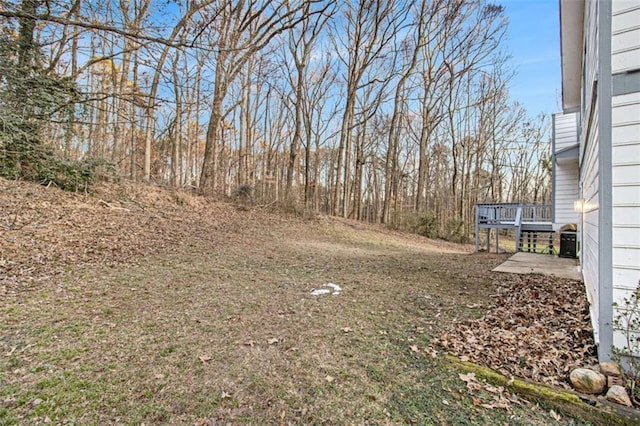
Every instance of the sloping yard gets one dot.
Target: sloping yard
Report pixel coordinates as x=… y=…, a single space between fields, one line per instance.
x=137 y=305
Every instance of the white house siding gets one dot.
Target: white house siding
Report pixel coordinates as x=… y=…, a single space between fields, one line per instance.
x=590 y=218
x=589 y=166
x=566 y=189
x=625 y=52
x=566 y=193
x=626 y=193
x=565 y=131
x=625 y=35
x=590 y=61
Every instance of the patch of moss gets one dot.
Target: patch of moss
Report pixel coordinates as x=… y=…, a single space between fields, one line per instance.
x=566 y=401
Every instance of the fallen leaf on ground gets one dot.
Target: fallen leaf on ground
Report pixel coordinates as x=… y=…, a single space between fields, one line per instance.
x=493 y=389
x=467 y=377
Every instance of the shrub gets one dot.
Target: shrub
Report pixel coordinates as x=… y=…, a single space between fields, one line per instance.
x=454 y=231
x=627 y=321
x=39 y=164
x=429 y=225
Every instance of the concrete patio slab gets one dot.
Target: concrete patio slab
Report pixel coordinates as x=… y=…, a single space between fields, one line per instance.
x=533 y=263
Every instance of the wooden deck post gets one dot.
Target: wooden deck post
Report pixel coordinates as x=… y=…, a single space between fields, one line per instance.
x=488 y=240
x=518 y=225
x=477 y=233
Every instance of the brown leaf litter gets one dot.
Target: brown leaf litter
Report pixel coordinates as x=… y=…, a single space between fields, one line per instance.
x=537 y=328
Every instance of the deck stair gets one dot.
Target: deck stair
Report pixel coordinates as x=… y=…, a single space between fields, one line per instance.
x=532 y=225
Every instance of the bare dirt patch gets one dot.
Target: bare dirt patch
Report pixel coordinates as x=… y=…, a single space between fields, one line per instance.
x=140 y=305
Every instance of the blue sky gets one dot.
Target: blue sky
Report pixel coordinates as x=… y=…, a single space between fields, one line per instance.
x=534 y=43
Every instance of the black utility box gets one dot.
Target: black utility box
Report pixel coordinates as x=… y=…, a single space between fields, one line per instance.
x=568 y=244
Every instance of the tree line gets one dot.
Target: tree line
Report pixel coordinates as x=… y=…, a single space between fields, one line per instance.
x=385 y=111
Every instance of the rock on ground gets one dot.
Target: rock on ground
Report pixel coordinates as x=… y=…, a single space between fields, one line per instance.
x=610 y=369
x=618 y=394
x=588 y=381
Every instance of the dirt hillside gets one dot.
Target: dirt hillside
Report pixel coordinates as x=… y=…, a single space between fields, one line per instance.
x=46 y=231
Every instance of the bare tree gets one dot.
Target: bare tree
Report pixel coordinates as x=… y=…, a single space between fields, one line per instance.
x=302 y=41
x=409 y=55
x=242 y=29
x=367 y=28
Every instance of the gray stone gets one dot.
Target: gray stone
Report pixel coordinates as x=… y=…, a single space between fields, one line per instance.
x=588 y=381
x=611 y=381
x=610 y=369
x=619 y=395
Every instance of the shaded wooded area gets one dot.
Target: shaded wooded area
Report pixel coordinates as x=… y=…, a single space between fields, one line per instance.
x=379 y=110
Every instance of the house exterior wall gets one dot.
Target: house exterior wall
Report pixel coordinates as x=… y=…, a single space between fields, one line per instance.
x=589 y=167
x=625 y=151
x=565 y=170
x=608 y=37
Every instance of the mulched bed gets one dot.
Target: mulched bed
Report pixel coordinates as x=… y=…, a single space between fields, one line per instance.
x=538 y=328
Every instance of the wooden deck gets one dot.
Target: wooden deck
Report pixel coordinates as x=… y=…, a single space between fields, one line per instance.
x=524 y=219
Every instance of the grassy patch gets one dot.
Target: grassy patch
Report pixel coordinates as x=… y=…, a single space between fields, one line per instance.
x=229 y=332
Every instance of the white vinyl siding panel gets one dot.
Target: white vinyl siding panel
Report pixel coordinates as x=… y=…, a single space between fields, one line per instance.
x=626 y=135
x=627 y=236
x=626 y=256
x=626 y=275
x=625 y=35
x=625 y=41
x=622 y=6
x=625 y=154
x=627 y=174
x=623 y=193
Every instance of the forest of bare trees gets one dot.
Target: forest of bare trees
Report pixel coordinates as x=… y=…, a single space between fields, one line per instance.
x=377 y=110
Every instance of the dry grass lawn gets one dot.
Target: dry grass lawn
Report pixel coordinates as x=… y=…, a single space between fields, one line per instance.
x=121 y=308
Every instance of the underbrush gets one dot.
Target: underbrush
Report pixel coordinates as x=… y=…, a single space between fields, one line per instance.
x=428 y=225
x=42 y=165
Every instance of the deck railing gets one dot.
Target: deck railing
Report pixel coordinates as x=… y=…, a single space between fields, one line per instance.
x=497 y=213
x=520 y=217
x=536 y=213
x=512 y=213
